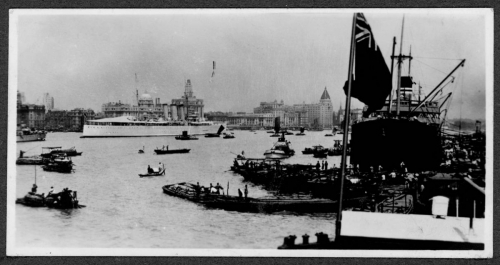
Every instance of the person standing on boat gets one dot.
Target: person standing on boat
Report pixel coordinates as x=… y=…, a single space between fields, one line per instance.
x=33 y=189
x=218 y=187
x=198 y=189
x=323 y=165
x=50 y=191
x=150 y=170
x=317 y=167
x=246 y=192
x=326 y=165
x=213 y=189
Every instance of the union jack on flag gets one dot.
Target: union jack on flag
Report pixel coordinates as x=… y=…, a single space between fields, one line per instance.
x=363 y=31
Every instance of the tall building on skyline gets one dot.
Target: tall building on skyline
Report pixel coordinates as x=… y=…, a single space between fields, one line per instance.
x=188 y=107
x=48 y=101
x=318 y=114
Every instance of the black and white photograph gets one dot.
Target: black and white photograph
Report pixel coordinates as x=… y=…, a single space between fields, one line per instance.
x=250 y=132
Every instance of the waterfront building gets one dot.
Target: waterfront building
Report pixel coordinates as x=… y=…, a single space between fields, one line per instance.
x=289 y=116
x=78 y=116
x=48 y=101
x=241 y=119
x=64 y=120
x=320 y=114
x=356 y=116
x=188 y=107
x=31 y=115
x=57 y=120
x=145 y=107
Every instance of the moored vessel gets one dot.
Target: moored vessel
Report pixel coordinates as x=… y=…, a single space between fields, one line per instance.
x=27 y=135
x=129 y=126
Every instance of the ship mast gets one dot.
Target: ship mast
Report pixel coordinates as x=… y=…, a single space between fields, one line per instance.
x=400 y=60
x=392 y=70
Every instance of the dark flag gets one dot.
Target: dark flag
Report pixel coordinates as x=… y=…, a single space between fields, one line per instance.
x=372 y=79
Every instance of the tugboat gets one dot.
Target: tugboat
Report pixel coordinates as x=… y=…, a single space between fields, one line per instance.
x=185 y=136
x=276 y=127
x=280 y=149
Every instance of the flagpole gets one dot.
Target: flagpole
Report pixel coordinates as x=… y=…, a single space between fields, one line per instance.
x=338 y=223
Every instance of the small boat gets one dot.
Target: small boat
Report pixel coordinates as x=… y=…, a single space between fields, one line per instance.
x=27 y=135
x=213 y=135
x=337 y=149
x=31 y=160
x=164 y=151
x=66 y=199
x=61 y=168
x=309 y=151
x=61 y=164
x=189 y=191
x=197 y=194
x=280 y=149
x=185 y=136
x=141 y=151
x=32 y=199
x=320 y=154
x=301 y=133
x=228 y=136
x=334 y=132
x=155 y=172
x=57 y=150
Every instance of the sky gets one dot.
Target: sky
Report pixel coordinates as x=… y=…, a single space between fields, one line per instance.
x=86 y=58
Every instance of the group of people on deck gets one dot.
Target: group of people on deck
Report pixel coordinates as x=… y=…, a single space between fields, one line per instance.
x=51 y=192
x=218 y=190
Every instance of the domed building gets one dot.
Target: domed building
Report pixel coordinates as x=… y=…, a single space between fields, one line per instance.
x=186 y=108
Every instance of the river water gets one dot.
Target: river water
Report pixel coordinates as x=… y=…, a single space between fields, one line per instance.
x=126 y=211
